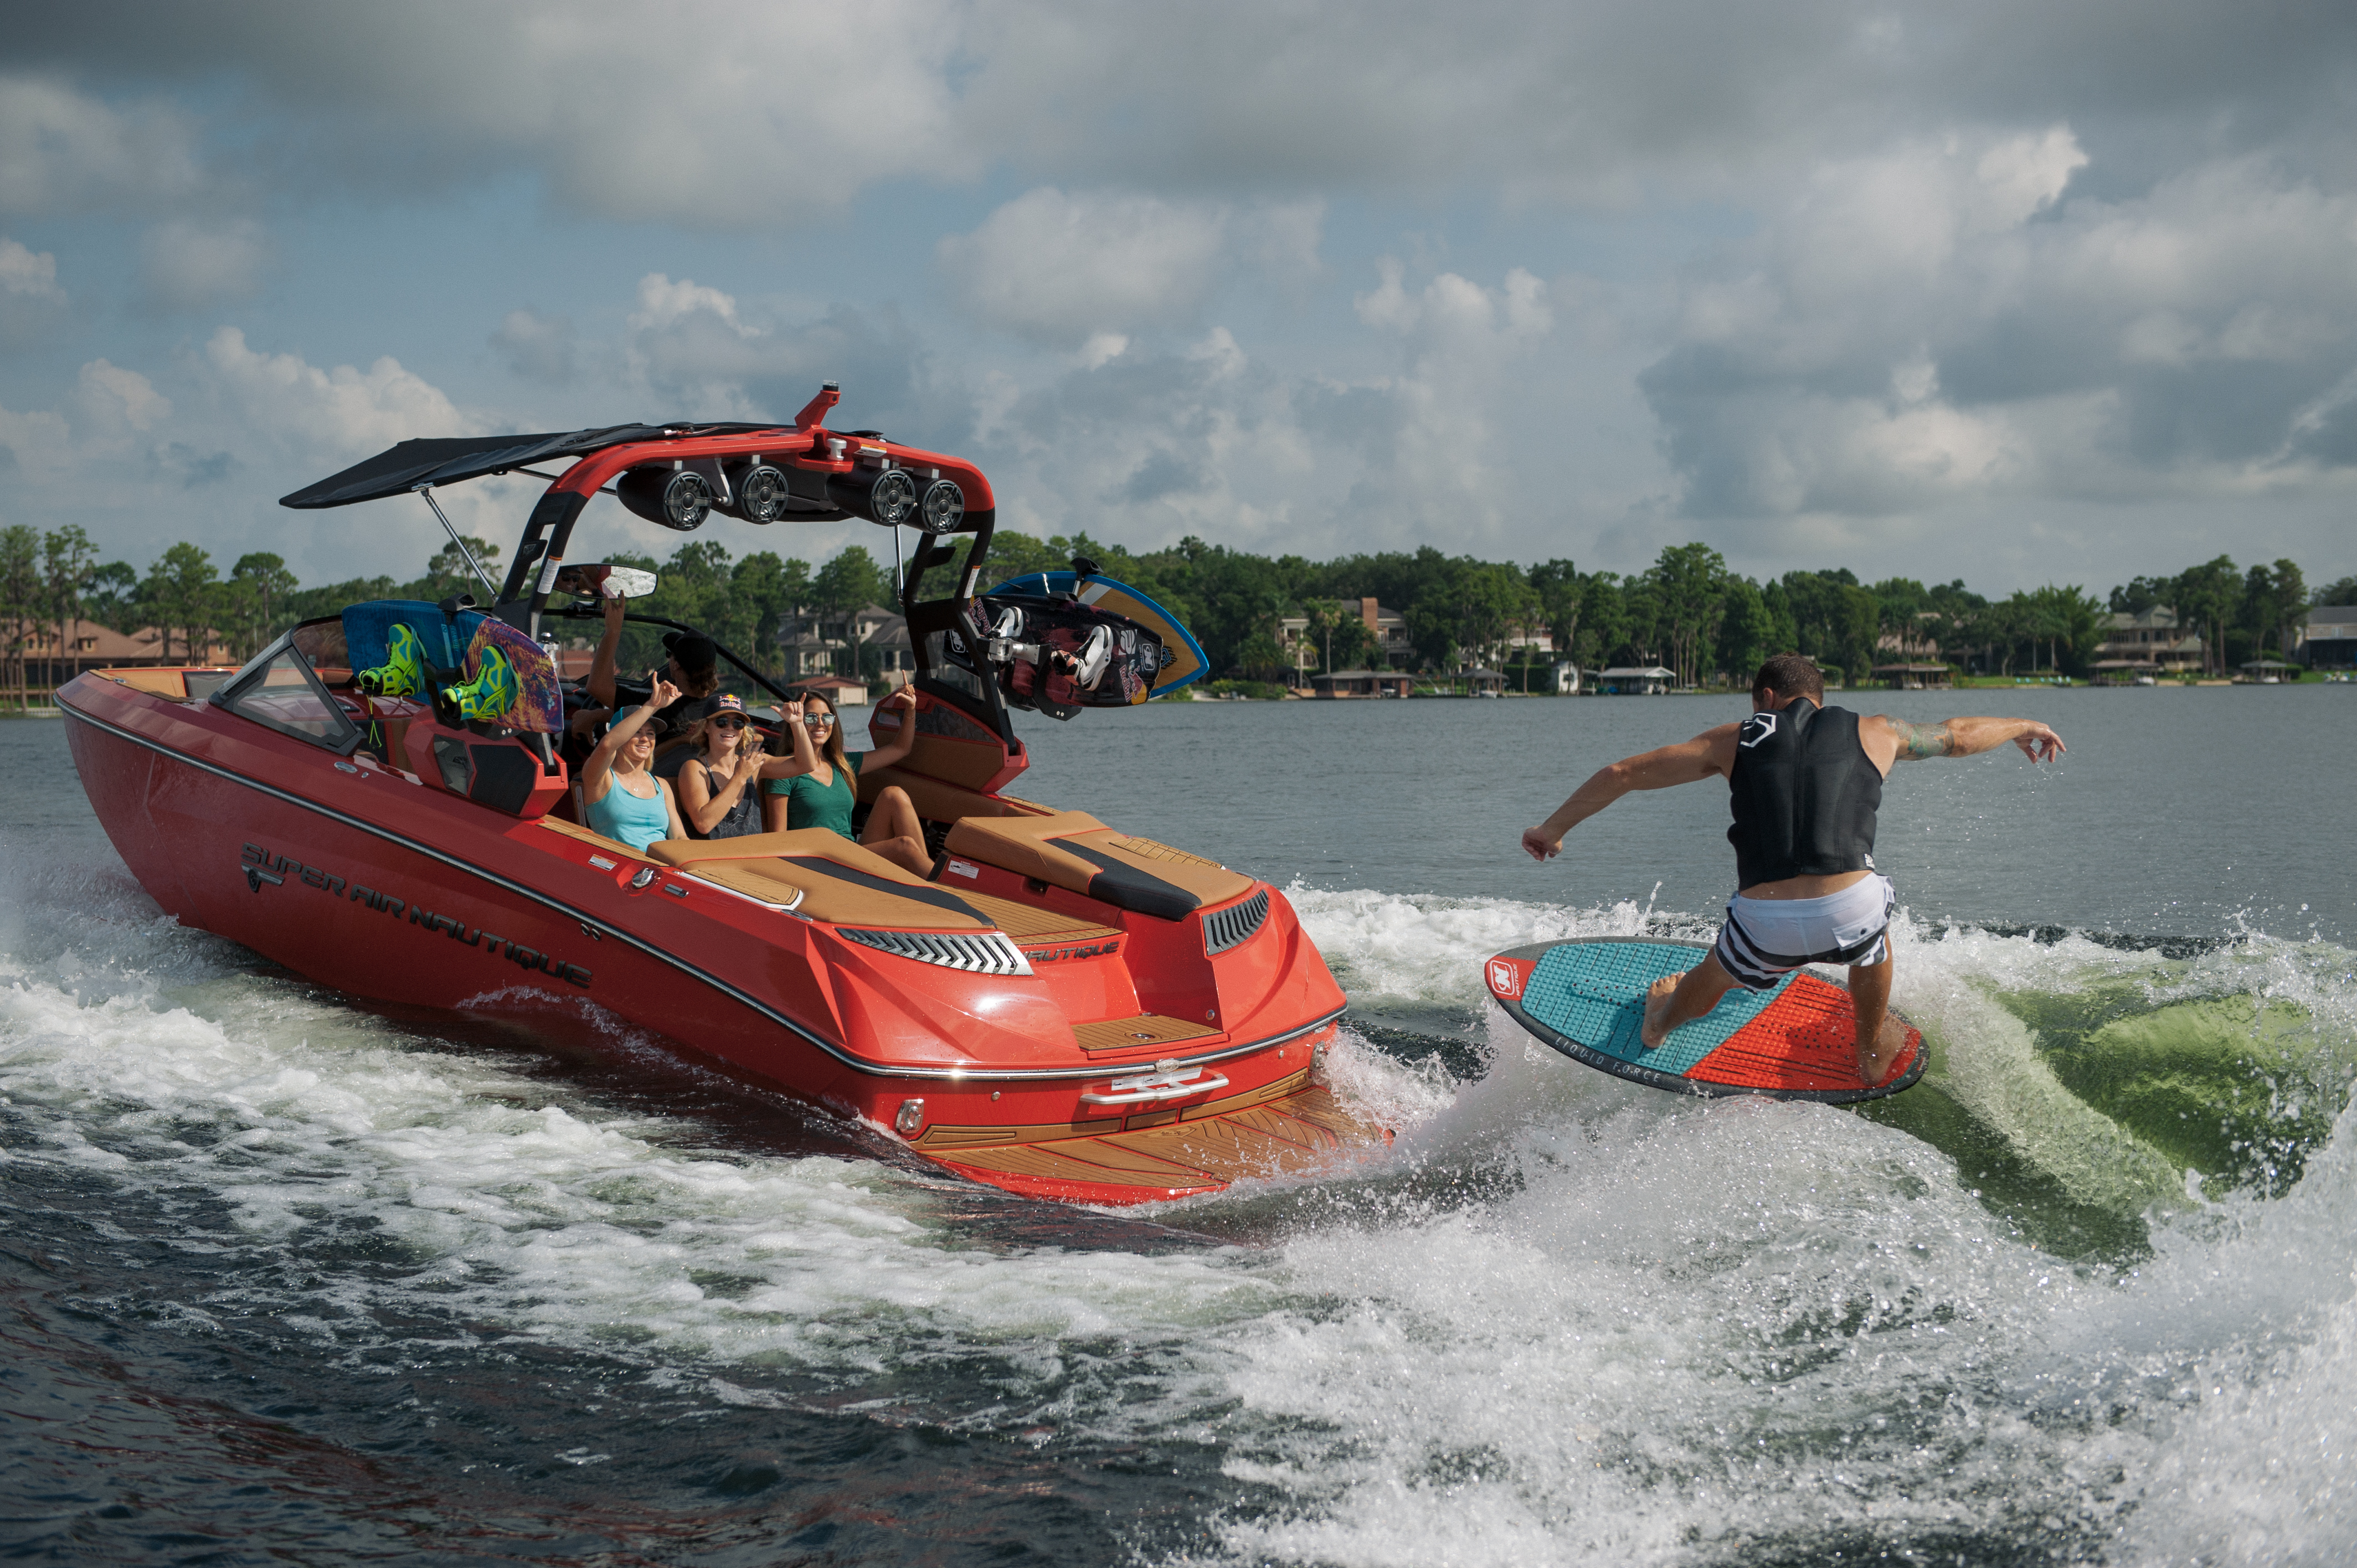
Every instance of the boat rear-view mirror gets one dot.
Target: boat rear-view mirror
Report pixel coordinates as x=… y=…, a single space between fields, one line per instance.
x=598 y=580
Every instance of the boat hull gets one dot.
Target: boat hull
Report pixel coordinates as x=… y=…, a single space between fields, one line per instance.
x=376 y=883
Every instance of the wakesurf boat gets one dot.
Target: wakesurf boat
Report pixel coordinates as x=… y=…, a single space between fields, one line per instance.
x=1062 y=1008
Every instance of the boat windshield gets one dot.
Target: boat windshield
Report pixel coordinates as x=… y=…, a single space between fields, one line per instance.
x=283 y=695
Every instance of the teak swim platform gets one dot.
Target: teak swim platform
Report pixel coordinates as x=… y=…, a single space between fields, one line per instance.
x=1061 y=1008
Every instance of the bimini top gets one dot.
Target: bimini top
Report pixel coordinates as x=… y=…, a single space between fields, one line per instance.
x=447 y=460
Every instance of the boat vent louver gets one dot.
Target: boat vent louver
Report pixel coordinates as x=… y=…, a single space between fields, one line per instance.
x=1223 y=928
x=989 y=952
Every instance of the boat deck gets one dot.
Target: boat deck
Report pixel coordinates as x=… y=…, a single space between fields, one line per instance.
x=1293 y=1126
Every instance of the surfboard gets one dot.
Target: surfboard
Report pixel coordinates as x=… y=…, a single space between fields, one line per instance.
x=1586 y=997
x=1185 y=661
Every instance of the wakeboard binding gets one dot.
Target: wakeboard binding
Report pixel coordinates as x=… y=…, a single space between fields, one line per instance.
x=492 y=694
x=403 y=673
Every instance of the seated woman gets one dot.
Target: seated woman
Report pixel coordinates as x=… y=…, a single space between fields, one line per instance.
x=718 y=783
x=622 y=796
x=825 y=787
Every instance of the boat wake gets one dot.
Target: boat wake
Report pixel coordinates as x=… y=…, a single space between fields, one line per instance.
x=2085 y=1293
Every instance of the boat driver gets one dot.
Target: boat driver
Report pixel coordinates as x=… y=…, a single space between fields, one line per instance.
x=693 y=668
x=1805 y=781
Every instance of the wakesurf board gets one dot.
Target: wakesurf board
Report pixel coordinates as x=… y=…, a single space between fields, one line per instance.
x=1586 y=997
x=1183 y=662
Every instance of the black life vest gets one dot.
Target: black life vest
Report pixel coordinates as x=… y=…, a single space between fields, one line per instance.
x=1804 y=793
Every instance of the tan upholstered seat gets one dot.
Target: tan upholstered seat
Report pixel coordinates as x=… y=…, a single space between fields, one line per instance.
x=840 y=882
x=1072 y=850
x=938 y=801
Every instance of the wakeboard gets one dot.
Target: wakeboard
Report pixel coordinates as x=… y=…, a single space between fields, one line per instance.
x=511 y=682
x=1586 y=997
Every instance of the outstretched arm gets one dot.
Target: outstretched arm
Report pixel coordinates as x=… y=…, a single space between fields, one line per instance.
x=1709 y=753
x=1887 y=740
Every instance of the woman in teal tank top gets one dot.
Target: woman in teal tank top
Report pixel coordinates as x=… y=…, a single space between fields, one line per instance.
x=825 y=785
x=620 y=793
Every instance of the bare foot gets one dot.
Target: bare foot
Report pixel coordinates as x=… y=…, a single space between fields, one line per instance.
x=1890 y=1039
x=1656 y=1027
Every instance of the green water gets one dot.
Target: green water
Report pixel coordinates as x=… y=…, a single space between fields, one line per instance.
x=2129 y=1095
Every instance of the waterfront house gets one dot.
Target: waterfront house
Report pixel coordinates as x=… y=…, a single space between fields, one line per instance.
x=2329 y=641
x=1913 y=677
x=1362 y=684
x=1636 y=681
x=2150 y=639
x=1303 y=648
x=841 y=690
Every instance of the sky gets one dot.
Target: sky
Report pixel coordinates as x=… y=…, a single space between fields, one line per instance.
x=2013 y=293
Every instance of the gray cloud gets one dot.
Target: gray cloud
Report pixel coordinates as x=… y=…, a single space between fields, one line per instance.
x=782 y=113
x=63 y=150
x=2006 y=265
x=1943 y=323
x=537 y=348
x=187 y=265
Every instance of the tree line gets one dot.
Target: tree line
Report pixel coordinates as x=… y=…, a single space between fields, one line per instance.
x=1687 y=612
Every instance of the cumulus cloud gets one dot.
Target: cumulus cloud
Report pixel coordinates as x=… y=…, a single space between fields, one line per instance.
x=704 y=357
x=341 y=411
x=1876 y=262
x=1946 y=322
x=30 y=298
x=199 y=445
x=62 y=150
x=187 y=265
x=1059 y=268
x=28 y=275
x=1212 y=438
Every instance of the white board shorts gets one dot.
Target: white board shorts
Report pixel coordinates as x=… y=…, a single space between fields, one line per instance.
x=1765 y=939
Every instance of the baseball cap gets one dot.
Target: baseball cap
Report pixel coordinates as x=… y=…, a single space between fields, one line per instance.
x=694 y=651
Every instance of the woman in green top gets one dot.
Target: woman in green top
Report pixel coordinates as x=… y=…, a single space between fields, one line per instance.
x=825 y=786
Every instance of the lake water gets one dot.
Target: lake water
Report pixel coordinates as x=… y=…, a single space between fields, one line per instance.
x=290 y=1279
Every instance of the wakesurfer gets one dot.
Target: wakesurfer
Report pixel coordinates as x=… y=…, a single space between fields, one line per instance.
x=1804 y=782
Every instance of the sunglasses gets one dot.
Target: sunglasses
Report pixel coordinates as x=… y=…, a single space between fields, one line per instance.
x=818 y=721
x=728 y=724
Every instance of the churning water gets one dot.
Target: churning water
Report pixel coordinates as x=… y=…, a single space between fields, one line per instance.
x=283 y=1278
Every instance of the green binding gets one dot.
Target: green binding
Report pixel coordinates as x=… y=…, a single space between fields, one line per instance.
x=494 y=690
x=403 y=673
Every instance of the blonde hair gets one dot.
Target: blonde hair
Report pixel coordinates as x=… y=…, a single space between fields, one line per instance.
x=748 y=739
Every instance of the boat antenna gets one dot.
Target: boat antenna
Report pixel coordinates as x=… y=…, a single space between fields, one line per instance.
x=426 y=489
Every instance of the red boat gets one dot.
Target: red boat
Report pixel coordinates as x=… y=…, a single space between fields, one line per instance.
x=1063 y=1009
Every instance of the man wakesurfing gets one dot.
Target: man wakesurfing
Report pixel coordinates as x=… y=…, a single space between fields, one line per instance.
x=1805 y=781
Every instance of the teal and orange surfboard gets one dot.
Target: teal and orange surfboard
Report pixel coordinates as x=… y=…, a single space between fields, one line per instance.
x=1586 y=997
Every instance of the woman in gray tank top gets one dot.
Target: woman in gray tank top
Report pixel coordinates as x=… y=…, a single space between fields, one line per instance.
x=719 y=793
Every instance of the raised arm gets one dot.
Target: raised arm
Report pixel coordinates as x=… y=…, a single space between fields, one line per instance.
x=885 y=756
x=789 y=730
x=1709 y=754
x=601 y=664
x=1887 y=740
x=597 y=773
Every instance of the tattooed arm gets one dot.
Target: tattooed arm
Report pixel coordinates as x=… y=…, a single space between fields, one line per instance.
x=1887 y=740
